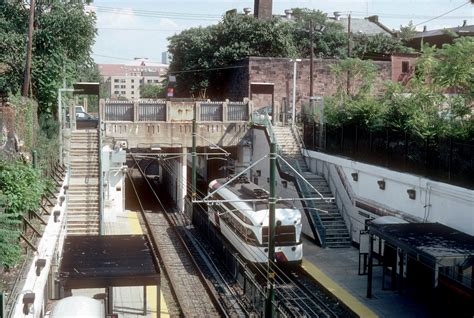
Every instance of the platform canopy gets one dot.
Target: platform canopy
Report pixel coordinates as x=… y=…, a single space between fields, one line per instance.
x=92 y=261
x=435 y=243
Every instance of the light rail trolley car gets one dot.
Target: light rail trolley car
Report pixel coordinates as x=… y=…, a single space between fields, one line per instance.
x=245 y=224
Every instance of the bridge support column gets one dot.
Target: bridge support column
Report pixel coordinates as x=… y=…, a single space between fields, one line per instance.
x=182 y=180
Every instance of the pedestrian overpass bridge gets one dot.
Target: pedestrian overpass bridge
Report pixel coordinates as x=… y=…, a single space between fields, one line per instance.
x=152 y=123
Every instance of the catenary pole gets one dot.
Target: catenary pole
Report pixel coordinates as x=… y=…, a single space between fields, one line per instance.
x=193 y=157
x=269 y=310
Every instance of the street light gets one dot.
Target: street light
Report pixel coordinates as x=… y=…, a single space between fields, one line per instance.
x=293 y=112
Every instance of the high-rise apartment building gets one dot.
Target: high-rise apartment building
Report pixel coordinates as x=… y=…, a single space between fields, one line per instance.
x=125 y=80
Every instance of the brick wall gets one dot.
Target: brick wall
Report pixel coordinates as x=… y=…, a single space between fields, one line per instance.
x=279 y=71
x=398 y=74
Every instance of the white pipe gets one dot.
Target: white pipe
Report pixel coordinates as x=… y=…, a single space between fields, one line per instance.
x=293 y=113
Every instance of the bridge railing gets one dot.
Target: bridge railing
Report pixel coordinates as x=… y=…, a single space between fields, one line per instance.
x=168 y=111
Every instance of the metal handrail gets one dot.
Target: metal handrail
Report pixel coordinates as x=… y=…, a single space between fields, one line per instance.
x=336 y=194
x=302 y=187
x=299 y=139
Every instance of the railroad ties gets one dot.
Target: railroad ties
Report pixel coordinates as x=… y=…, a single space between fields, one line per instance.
x=188 y=288
x=184 y=277
x=83 y=201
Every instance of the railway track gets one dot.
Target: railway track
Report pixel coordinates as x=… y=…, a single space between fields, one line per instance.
x=197 y=286
x=297 y=294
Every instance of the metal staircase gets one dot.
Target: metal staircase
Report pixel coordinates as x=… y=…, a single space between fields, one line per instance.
x=324 y=217
x=83 y=192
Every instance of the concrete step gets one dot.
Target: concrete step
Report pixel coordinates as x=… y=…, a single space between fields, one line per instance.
x=80 y=231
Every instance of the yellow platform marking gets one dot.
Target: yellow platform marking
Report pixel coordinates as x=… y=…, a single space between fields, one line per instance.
x=350 y=301
x=136 y=228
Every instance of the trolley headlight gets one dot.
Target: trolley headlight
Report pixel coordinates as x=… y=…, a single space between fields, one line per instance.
x=293 y=248
x=278 y=223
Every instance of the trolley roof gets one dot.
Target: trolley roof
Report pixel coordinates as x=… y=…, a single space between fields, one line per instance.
x=247 y=191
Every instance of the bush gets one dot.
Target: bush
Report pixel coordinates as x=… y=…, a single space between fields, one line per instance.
x=21 y=187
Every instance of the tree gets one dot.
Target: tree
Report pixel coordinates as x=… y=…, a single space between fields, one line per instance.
x=202 y=56
x=13 y=24
x=407 y=32
x=62 y=41
x=357 y=105
x=152 y=91
x=377 y=46
x=332 y=42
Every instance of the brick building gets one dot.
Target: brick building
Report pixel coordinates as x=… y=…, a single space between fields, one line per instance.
x=267 y=80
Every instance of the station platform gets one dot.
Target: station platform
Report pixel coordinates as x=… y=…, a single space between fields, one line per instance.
x=128 y=301
x=337 y=270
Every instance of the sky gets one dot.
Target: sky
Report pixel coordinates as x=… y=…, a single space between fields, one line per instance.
x=140 y=28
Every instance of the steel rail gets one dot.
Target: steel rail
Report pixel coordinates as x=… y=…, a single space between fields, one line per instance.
x=207 y=286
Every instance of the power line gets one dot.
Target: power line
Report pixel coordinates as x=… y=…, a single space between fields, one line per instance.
x=441 y=15
x=178 y=72
x=162 y=12
x=157 y=14
x=402 y=16
x=138 y=29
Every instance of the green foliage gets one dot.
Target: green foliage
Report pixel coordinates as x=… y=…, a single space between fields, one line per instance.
x=407 y=32
x=422 y=107
x=197 y=50
x=456 y=67
x=21 y=188
x=62 y=40
x=375 y=46
x=202 y=57
x=152 y=91
x=26 y=125
x=332 y=42
x=12 y=46
x=356 y=104
x=361 y=75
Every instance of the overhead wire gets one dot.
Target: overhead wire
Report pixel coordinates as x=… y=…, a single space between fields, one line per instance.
x=178 y=72
x=140 y=29
x=157 y=14
x=257 y=254
x=443 y=14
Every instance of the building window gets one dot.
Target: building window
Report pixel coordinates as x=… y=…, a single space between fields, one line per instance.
x=156 y=81
x=149 y=81
x=116 y=86
x=123 y=86
x=132 y=92
x=405 y=67
x=133 y=86
x=116 y=92
x=116 y=80
x=122 y=80
x=123 y=92
x=133 y=81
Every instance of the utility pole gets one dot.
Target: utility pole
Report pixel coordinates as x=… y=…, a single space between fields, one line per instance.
x=271 y=235
x=311 y=59
x=349 y=53
x=27 y=74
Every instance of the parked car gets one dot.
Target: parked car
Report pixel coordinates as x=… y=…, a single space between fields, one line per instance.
x=85 y=120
